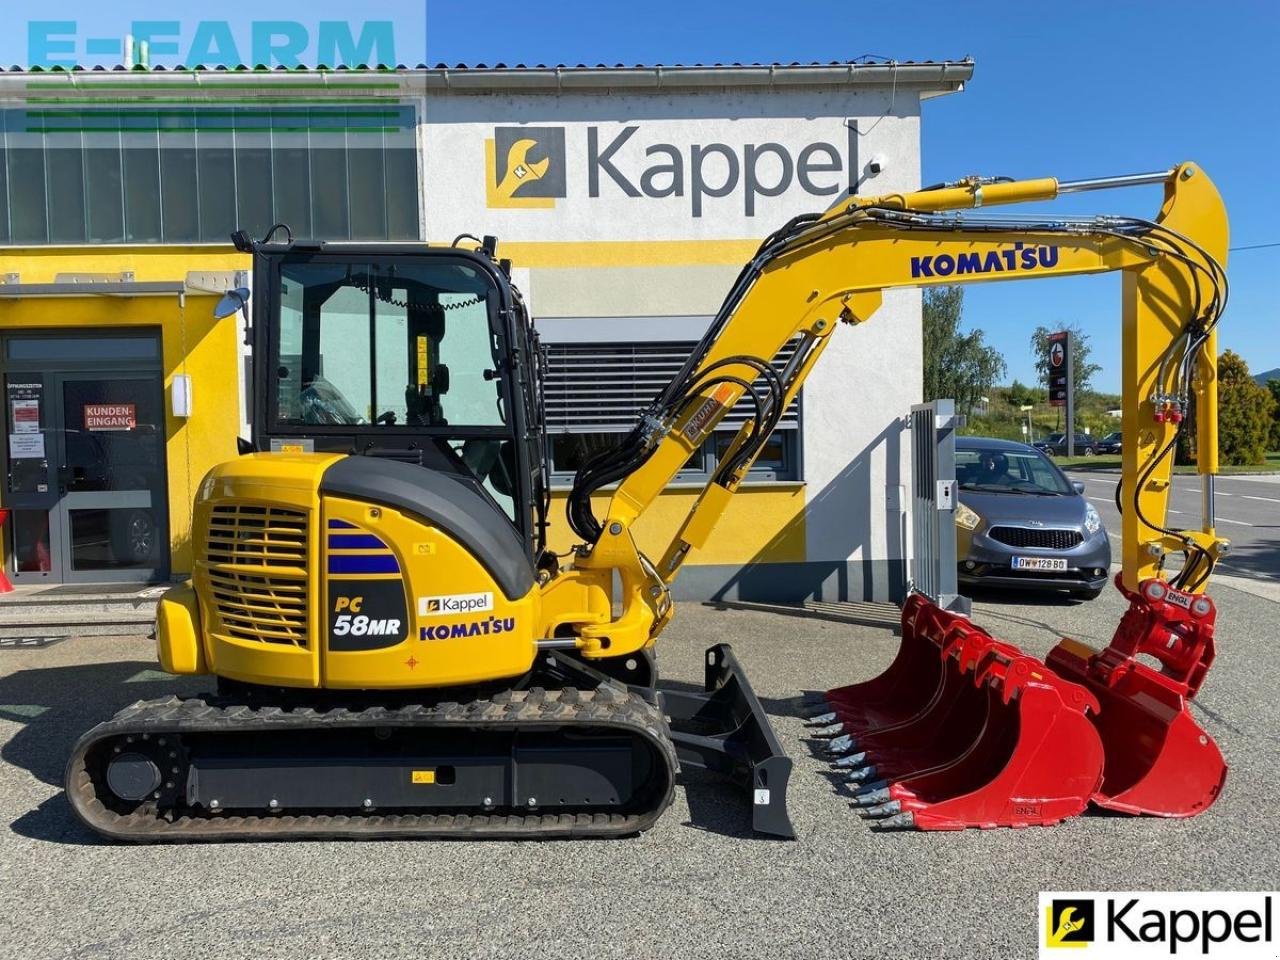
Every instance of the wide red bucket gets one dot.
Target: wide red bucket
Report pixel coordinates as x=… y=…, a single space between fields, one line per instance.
x=1159 y=760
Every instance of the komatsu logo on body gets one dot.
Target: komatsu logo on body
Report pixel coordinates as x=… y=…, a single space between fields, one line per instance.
x=451 y=604
x=472 y=628
x=1019 y=257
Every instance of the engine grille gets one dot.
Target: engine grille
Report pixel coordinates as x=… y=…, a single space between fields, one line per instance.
x=1042 y=539
x=256 y=558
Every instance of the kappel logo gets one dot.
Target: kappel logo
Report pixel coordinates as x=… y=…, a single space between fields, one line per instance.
x=525 y=167
x=454 y=603
x=1128 y=925
x=1069 y=923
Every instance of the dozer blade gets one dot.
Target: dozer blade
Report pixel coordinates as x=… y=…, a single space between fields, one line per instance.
x=996 y=739
x=725 y=729
x=1159 y=760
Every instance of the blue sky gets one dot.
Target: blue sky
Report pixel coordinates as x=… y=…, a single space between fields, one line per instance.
x=1071 y=90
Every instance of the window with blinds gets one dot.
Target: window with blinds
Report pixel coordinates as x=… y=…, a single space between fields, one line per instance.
x=596 y=391
x=602 y=387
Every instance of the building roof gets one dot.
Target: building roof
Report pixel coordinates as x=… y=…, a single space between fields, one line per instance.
x=932 y=76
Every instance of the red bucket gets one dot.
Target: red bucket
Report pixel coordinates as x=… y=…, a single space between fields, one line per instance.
x=964 y=731
x=1159 y=760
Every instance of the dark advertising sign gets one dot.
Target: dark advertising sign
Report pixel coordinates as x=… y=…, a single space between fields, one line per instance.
x=1059 y=368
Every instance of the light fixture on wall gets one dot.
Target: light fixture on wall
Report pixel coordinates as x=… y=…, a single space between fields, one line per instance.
x=180 y=395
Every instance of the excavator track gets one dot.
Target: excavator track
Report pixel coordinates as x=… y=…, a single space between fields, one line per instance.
x=384 y=768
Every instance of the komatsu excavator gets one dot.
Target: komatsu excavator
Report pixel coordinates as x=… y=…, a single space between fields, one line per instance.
x=398 y=652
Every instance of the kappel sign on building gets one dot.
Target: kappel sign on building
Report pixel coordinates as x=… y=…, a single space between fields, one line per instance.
x=110 y=416
x=527 y=167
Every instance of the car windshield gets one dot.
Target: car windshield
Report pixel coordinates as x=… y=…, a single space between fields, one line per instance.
x=1015 y=471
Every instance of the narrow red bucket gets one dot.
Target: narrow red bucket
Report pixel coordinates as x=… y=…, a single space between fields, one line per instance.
x=983 y=735
x=905 y=687
x=1159 y=760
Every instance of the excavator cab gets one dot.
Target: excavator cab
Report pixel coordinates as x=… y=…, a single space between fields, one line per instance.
x=413 y=354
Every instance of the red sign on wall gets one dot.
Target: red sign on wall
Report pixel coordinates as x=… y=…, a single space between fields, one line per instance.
x=110 y=416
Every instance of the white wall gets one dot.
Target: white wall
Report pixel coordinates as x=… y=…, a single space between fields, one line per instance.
x=855 y=457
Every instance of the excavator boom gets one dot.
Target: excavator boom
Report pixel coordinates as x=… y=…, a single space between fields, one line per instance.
x=821 y=271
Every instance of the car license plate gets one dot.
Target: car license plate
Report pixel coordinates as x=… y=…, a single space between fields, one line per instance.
x=1039 y=563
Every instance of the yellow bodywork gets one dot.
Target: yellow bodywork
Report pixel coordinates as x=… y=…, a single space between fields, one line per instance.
x=836 y=276
x=274 y=594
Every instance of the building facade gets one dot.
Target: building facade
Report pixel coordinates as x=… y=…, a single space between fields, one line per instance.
x=627 y=199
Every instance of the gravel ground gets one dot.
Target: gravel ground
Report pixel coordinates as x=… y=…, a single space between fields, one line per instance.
x=697 y=885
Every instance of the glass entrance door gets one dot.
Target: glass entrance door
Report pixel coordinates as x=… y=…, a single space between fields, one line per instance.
x=111 y=476
x=86 y=483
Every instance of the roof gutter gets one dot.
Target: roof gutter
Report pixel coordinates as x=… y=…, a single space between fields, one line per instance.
x=937 y=77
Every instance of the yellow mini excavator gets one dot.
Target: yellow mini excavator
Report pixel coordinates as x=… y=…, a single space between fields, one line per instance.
x=397 y=650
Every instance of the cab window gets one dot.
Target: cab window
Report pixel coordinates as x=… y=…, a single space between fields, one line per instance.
x=386 y=345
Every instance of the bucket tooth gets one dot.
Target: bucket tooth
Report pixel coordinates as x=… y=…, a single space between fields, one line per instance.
x=883 y=810
x=872 y=794
x=861 y=775
x=829 y=731
x=840 y=745
x=852 y=759
x=821 y=719
x=899 y=821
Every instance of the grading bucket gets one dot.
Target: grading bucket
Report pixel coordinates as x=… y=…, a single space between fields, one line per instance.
x=1159 y=760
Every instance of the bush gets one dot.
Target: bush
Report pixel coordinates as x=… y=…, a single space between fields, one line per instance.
x=1273 y=442
x=1246 y=413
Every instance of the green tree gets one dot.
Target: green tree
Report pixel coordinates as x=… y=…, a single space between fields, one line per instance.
x=1246 y=412
x=1273 y=442
x=1020 y=395
x=1082 y=370
x=958 y=364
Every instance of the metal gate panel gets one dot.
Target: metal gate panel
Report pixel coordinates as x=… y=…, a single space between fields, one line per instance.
x=933 y=496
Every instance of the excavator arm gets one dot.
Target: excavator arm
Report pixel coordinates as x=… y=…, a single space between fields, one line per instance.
x=821 y=271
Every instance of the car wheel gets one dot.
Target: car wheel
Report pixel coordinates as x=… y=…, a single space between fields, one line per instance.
x=1088 y=451
x=134 y=540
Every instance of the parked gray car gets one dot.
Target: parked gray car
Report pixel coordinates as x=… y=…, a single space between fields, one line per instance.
x=1021 y=523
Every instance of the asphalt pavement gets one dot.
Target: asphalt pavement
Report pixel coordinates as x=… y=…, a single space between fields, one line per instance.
x=696 y=885
x=1247 y=511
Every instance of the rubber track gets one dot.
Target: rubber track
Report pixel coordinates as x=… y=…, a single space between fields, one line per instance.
x=608 y=706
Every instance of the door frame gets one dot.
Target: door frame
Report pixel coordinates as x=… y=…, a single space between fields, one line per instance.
x=57 y=503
